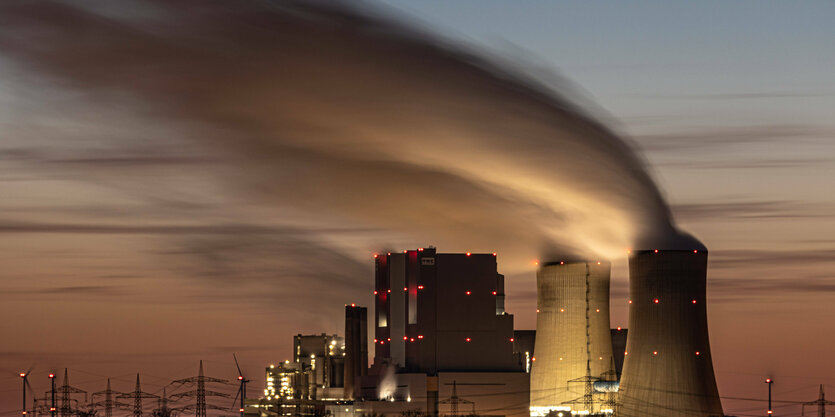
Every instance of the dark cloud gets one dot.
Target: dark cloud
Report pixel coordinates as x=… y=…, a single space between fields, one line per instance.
x=753 y=210
x=721 y=138
x=753 y=258
x=748 y=163
x=738 y=96
x=213 y=229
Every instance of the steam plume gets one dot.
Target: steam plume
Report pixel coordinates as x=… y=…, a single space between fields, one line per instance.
x=336 y=113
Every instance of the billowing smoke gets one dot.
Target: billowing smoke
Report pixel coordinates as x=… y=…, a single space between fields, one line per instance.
x=344 y=116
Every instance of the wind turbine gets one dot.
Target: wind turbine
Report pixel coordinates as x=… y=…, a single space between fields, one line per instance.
x=242 y=389
x=25 y=377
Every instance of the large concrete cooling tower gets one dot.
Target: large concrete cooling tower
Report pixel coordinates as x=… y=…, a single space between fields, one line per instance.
x=573 y=343
x=668 y=370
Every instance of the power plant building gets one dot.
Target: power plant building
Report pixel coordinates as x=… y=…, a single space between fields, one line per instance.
x=573 y=339
x=442 y=338
x=668 y=370
x=322 y=357
x=441 y=312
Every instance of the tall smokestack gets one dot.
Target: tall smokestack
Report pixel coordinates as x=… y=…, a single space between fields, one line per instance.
x=573 y=341
x=668 y=370
x=356 y=347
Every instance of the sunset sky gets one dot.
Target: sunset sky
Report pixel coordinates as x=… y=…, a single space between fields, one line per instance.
x=137 y=238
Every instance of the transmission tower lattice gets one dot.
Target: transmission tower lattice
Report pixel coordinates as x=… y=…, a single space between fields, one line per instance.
x=137 y=395
x=820 y=402
x=67 y=391
x=108 y=403
x=454 y=400
x=587 y=380
x=200 y=393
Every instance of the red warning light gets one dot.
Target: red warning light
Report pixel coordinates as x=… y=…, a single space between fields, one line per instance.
x=468 y=339
x=630 y=301
x=412 y=339
x=405 y=288
x=695 y=251
x=241 y=410
x=405 y=338
x=52 y=375
x=468 y=254
x=420 y=287
x=420 y=249
x=618 y=328
x=494 y=293
x=511 y=339
x=494 y=253
x=656 y=301
x=768 y=380
x=22 y=375
x=51 y=408
x=375 y=340
x=655 y=352
x=389 y=339
x=375 y=292
x=562 y=263
x=420 y=336
x=389 y=290
x=698 y=353
x=656 y=251
x=469 y=292
x=240 y=378
x=694 y=301
x=533 y=359
x=353 y=305
x=376 y=255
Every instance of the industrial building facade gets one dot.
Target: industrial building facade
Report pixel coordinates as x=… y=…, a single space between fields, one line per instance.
x=441 y=312
x=441 y=334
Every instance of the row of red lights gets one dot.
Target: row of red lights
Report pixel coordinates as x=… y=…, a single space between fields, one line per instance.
x=655 y=353
x=22 y=375
x=420 y=336
x=420 y=287
x=377 y=255
x=657 y=301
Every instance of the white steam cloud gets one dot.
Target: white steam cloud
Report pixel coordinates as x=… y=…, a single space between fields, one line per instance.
x=331 y=112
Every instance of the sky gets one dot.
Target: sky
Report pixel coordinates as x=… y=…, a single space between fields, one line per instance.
x=137 y=236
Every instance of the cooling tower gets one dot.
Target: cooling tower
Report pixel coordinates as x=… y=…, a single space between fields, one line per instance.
x=668 y=369
x=573 y=342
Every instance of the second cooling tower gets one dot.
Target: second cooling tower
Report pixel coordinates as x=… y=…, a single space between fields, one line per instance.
x=573 y=341
x=668 y=369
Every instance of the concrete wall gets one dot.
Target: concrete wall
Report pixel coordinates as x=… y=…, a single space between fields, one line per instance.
x=668 y=370
x=561 y=350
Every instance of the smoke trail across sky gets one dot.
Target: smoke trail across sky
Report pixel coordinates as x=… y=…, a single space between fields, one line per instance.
x=330 y=116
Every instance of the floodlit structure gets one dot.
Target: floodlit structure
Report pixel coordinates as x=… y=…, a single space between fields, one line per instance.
x=573 y=340
x=668 y=369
